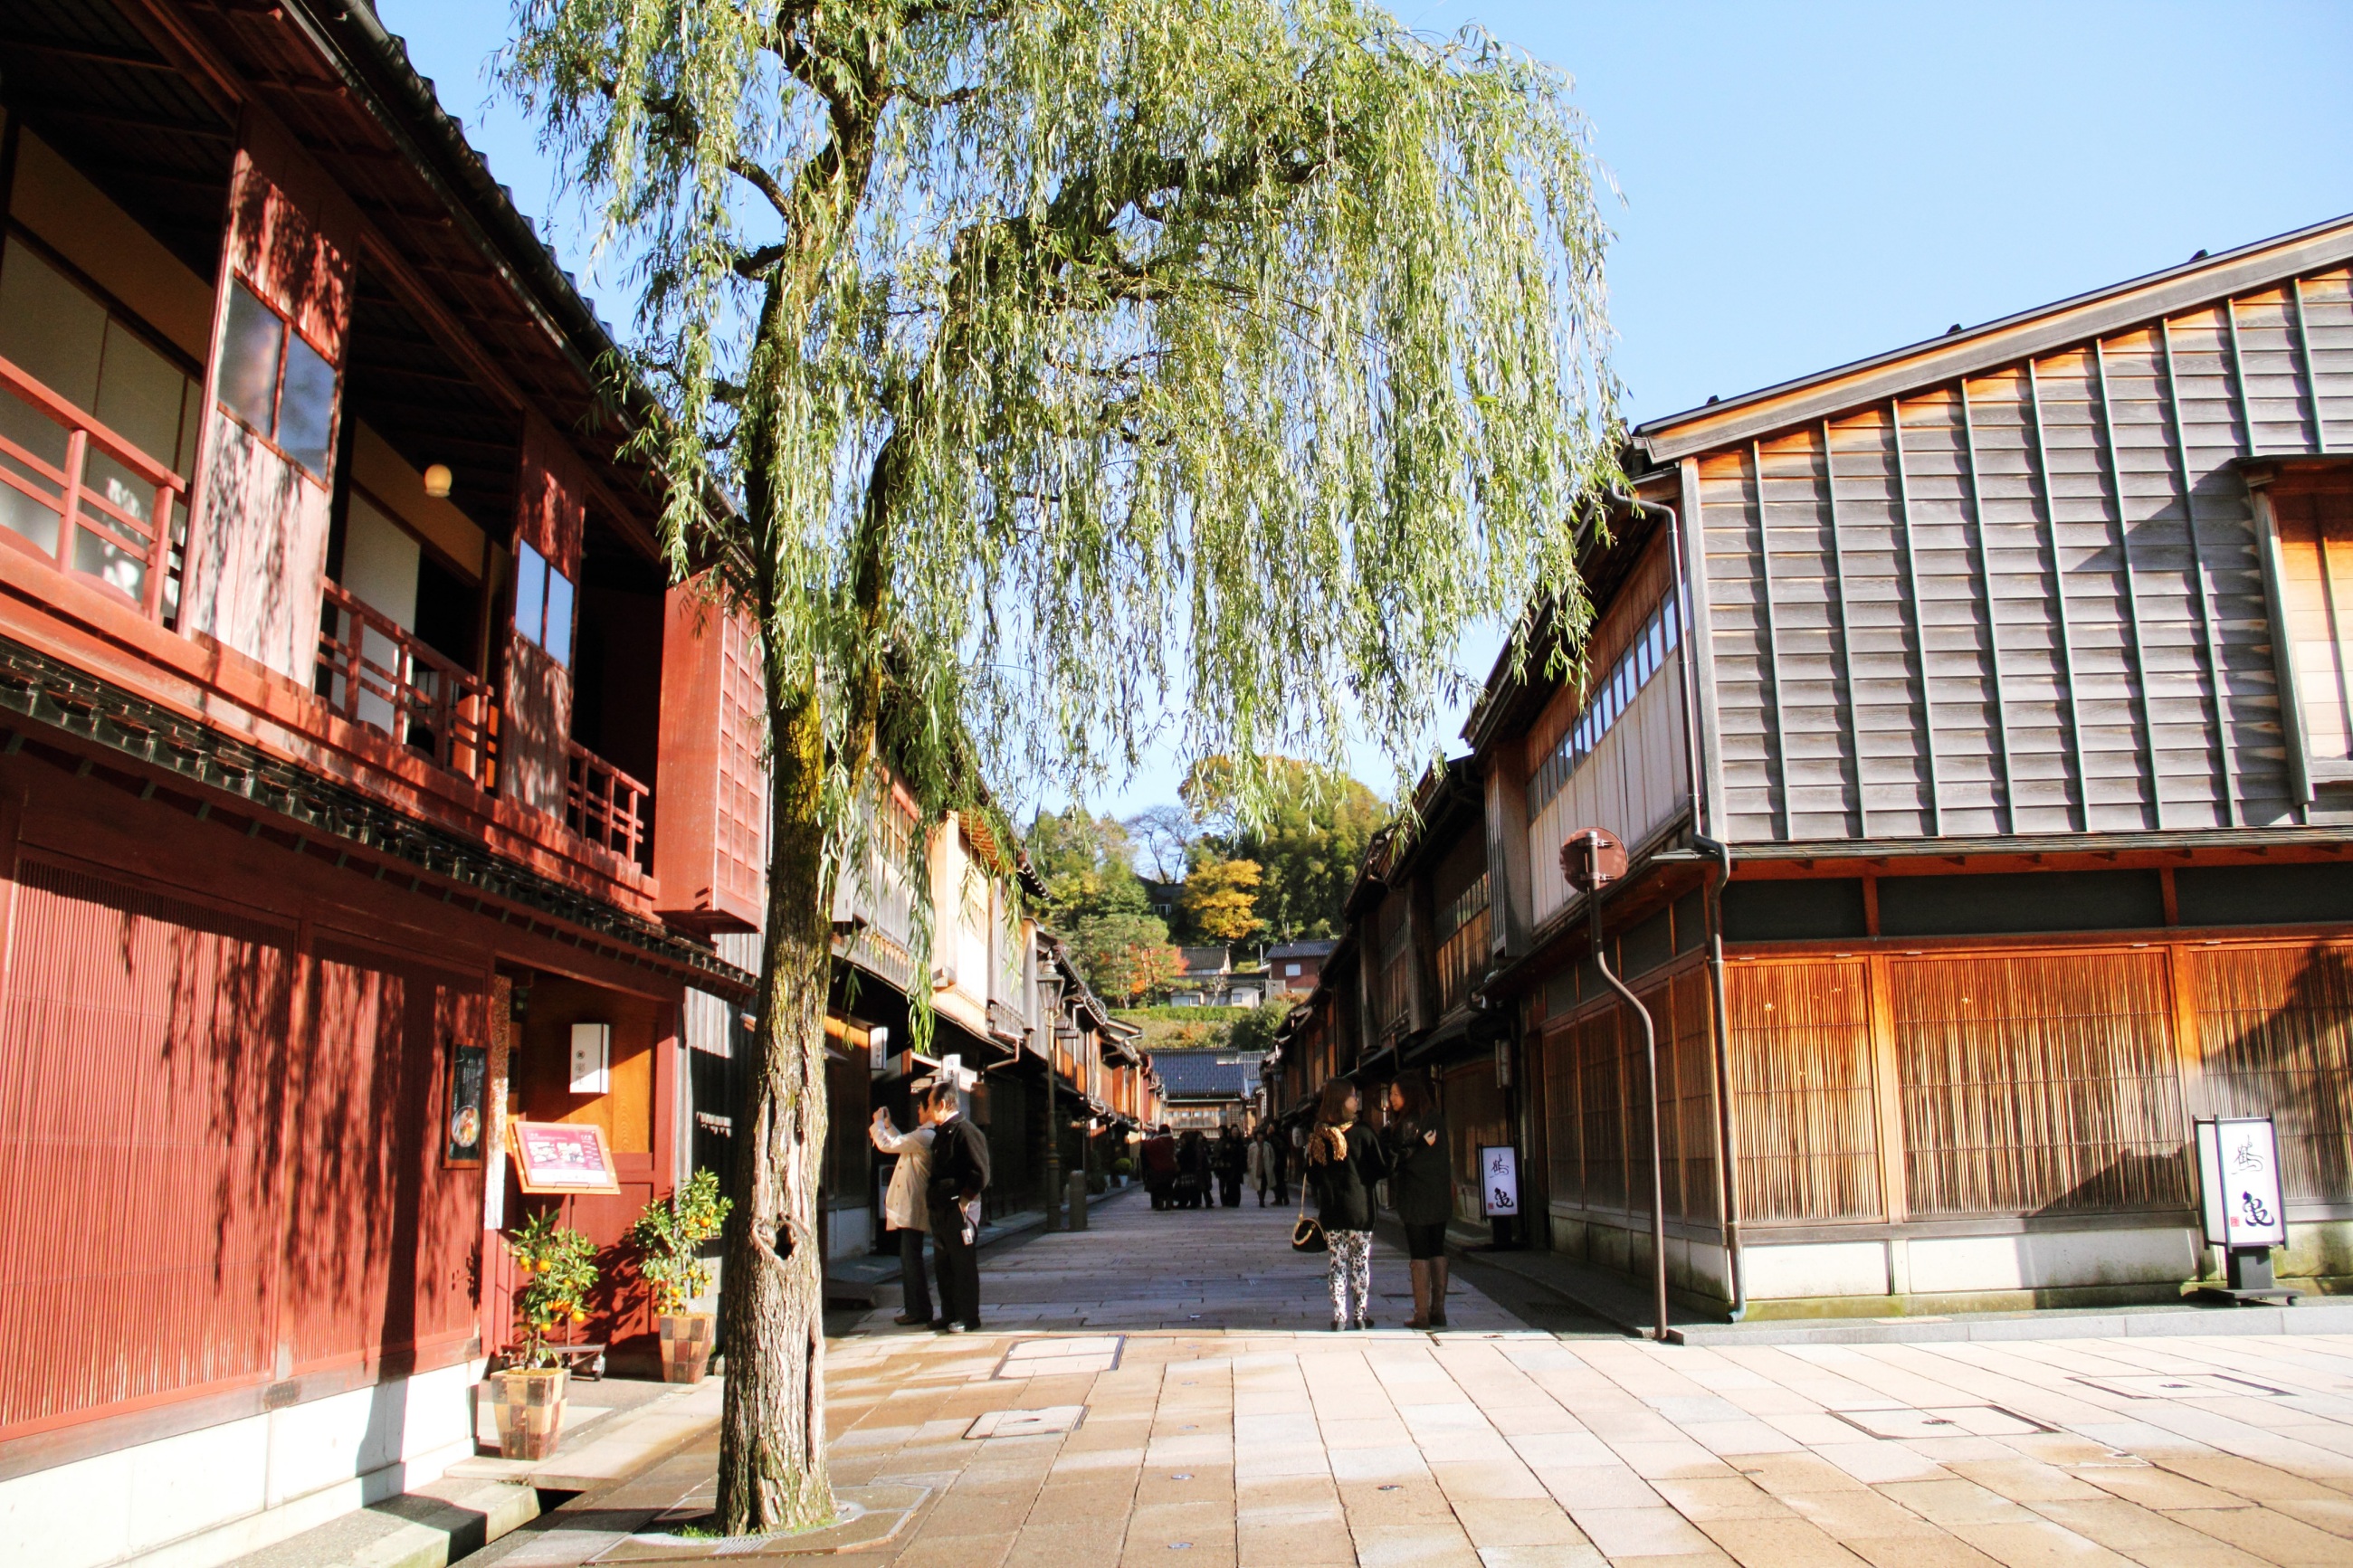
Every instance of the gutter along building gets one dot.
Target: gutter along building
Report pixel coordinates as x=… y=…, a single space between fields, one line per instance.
x=365 y=788
x=2009 y=668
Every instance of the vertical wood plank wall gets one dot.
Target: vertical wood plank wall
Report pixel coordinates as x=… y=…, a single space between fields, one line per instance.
x=2027 y=603
x=2026 y=1082
x=1595 y=1103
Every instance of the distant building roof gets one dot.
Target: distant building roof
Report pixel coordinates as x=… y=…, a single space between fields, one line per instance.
x=1205 y=960
x=1205 y=1075
x=1320 y=948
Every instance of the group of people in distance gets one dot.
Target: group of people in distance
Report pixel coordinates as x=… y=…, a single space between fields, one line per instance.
x=1344 y=1159
x=943 y=1170
x=1192 y=1170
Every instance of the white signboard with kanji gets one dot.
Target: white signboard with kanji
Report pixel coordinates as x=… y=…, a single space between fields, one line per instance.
x=2239 y=1183
x=1499 y=1181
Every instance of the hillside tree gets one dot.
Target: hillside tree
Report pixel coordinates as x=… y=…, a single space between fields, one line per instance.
x=1012 y=366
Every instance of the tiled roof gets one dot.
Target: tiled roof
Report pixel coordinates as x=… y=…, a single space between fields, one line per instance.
x=1205 y=1075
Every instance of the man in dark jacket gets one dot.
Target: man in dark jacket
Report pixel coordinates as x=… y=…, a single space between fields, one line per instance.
x=959 y=1175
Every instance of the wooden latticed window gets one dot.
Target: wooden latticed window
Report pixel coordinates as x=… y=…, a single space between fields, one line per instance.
x=2038 y=1084
x=1801 y=1070
x=2277 y=1040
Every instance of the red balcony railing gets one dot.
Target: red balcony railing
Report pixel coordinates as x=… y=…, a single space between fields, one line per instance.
x=606 y=806
x=84 y=498
x=371 y=671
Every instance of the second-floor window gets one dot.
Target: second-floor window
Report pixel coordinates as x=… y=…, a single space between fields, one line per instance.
x=543 y=604
x=277 y=384
x=1606 y=702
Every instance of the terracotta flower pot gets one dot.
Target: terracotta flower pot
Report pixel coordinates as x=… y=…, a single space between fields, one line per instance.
x=530 y=1406
x=686 y=1345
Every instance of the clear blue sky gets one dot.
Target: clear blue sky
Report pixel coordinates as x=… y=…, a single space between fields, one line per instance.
x=1808 y=183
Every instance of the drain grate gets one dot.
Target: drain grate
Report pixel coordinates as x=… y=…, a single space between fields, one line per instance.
x=2185 y=1386
x=1079 y=1356
x=1942 y=1420
x=1045 y=1423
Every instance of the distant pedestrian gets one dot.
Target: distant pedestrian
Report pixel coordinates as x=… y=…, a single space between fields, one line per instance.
x=1160 y=1168
x=907 y=1207
x=959 y=1175
x=1421 y=1186
x=1192 y=1169
x=1344 y=1161
x=1228 y=1159
x=1263 y=1153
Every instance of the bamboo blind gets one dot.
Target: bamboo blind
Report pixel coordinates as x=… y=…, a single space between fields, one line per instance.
x=2276 y=1038
x=1801 y=1072
x=2038 y=1083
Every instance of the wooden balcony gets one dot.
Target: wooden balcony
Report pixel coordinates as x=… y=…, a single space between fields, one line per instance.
x=606 y=806
x=85 y=498
x=372 y=672
x=1463 y=955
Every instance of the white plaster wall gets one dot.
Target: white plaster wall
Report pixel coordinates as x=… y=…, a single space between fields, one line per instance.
x=203 y=1497
x=2048 y=1259
x=1815 y=1268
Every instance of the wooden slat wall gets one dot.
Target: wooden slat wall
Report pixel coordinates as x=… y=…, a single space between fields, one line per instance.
x=1801 y=1072
x=2275 y=1038
x=2037 y=1085
x=1596 y=1104
x=2027 y=604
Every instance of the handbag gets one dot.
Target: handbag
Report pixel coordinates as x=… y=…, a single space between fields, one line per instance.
x=1307 y=1235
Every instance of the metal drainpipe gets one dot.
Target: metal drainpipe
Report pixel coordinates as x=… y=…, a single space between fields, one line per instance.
x=1657 y=1160
x=1726 y=1131
x=1702 y=818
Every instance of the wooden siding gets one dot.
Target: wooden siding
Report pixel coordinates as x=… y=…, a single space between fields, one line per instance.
x=2026 y=601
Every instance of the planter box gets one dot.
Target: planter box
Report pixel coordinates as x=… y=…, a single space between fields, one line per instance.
x=686 y=1340
x=530 y=1408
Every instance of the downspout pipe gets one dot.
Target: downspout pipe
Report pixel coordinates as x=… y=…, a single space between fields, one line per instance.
x=1650 y=1066
x=1702 y=817
x=1722 y=853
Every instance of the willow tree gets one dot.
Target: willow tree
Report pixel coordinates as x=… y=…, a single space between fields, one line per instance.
x=1057 y=355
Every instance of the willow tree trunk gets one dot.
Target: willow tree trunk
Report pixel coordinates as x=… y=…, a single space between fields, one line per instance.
x=772 y=1464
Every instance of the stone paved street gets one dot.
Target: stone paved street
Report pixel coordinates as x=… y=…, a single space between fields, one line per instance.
x=1246 y=1436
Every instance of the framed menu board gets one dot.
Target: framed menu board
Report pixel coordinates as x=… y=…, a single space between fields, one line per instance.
x=462 y=1132
x=561 y=1157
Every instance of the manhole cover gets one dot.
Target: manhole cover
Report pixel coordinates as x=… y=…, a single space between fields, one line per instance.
x=1027 y=1423
x=1080 y=1355
x=2185 y=1386
x=1943 y=1420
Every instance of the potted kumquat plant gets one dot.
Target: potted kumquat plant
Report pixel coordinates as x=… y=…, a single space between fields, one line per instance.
x=670 y=1233
x=559 y=1270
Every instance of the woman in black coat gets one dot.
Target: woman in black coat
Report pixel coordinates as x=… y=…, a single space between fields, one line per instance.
x=1345 y=1160
x=1421 y=1186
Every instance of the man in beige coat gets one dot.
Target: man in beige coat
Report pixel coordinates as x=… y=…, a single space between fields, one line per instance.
x=906 y=1207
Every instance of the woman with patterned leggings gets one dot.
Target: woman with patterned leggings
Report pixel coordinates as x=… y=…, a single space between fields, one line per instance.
x=1345 y=1160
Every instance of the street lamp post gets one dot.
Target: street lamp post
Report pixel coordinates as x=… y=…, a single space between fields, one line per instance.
x=1591 y=859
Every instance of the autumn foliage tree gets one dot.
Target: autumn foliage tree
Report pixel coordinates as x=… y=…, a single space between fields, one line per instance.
x=1049 y=356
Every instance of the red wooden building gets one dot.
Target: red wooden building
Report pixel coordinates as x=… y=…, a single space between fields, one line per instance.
x=353 y=753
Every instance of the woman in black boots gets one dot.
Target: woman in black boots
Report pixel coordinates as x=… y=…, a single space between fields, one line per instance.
x=1421 y=1185
x=1344 y=1159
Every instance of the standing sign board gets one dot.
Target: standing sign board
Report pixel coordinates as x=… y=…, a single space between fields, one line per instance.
x=562 y=1157
x=2239 y=1183
x=1499 y=1181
